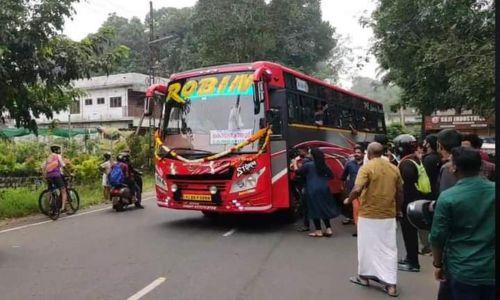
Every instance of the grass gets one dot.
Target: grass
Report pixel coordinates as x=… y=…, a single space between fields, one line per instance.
x=21 y=202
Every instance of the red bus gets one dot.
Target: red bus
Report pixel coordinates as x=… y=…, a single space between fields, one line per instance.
x=228 y=133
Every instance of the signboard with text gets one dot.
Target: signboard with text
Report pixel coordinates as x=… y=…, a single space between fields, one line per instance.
x=457 y=122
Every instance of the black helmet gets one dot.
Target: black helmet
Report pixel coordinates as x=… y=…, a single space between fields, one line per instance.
x=381 y=138
x=123 y=157
x=419 y=215
x=107 y=156
x=55 y=149
x=405 y=144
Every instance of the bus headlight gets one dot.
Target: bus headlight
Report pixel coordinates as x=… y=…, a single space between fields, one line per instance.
x=247 y=182
x=213 y=190
x=174 y=188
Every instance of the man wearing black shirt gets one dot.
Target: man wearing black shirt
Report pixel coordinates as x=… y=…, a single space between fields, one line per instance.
x=406 y=147
x=432 y=165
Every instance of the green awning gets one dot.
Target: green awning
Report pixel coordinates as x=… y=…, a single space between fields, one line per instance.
x=61 y=132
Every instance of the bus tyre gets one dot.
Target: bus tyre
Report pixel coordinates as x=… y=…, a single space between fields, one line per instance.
x=210 y=214
x=293 y=212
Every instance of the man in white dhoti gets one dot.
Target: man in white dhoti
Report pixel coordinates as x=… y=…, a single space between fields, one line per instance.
x=378 y=186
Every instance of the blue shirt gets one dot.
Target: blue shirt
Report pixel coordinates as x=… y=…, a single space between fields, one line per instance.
x=351 y=169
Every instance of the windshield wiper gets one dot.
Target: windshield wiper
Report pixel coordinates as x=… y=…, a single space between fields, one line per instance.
x=190 y=149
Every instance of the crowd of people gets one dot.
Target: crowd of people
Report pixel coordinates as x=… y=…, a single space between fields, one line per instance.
x=383 y=180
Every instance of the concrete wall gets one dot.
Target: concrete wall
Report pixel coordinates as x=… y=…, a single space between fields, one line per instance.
x=96 y=112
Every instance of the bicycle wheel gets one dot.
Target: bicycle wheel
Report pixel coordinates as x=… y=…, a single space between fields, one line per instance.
x=43 y=202
x=54 y=206
x=73 y=201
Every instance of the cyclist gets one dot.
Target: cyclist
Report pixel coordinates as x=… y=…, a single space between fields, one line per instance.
x=52 y=171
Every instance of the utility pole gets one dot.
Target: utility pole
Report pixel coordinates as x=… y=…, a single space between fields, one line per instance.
x=151 y=74
x=151 y=38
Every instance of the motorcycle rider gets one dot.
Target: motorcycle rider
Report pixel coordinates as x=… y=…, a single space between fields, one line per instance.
x=132 y=181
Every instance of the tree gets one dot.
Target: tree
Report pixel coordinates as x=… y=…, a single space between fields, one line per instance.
x=388 y=95
x=177 y=54
x=303 y=39
x=129 y=33
x=215 y=32
x=37 y=63
x=226 y=31
x=440 y=53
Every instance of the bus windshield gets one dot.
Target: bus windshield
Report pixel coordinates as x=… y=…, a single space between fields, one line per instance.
x=210 y=114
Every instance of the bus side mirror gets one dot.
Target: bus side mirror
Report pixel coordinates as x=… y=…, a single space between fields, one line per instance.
x=148 y=106
x=273 y=117
x=258 y=96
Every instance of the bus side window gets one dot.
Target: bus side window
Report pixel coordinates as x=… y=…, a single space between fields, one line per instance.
x=293 y=108
x=307 y=110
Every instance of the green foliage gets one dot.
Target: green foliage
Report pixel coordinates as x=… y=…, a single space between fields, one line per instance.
x=21 y=202
x=217 y=32
x=394 y=130
x=388 y=95
x=441 y=53
x=86 y=168
x=37 y=63
x=18 y=202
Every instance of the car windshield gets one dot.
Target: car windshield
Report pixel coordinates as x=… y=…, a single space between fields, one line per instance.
x=210 y=114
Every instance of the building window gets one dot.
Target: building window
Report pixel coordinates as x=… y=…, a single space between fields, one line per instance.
x=115 y=102
x=100 y=100
x=74 y=108
x=88 y=101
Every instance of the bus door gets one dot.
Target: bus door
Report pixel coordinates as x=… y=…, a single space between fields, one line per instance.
x=277 y=116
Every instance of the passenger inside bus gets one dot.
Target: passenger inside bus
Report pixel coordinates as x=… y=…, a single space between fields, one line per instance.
x=319 y=114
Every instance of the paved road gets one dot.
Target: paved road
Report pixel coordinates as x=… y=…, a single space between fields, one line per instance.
x=109 y=255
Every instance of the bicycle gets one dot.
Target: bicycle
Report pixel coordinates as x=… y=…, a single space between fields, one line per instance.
x=50 y=200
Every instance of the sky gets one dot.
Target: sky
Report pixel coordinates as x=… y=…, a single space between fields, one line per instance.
x=343 y=15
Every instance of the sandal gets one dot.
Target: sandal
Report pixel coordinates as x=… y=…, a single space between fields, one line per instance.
x=326 y=234
x=313 y=234
x=357 y=280
x=394 y=294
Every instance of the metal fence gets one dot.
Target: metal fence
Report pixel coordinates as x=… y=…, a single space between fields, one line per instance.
x=16 y=182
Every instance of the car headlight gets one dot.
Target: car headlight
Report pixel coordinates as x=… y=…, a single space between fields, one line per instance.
x=247 y=182
x=160 y=182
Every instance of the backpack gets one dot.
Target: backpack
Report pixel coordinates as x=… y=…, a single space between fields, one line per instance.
x=423 y=183
x=116 y=176
x=51 y=164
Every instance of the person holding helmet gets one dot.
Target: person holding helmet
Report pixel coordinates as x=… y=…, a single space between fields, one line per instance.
x=406 y=148
x=52 y=171
x=463 y=232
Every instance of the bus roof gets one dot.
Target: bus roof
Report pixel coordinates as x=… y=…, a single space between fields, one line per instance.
x=253 y=66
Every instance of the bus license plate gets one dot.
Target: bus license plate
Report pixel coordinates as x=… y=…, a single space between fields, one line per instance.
x=193 y=197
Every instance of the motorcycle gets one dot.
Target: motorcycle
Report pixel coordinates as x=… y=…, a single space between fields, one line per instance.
x=122 y=196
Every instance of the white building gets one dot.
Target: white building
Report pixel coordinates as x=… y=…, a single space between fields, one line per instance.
x=110 y=101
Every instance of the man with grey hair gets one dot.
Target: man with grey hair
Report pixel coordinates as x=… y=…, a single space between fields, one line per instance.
x=379 y=188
